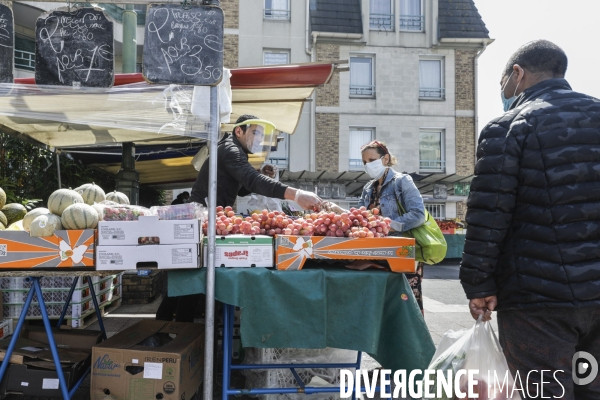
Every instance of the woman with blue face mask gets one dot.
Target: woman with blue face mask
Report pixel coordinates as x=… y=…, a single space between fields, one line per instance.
x=385 y=191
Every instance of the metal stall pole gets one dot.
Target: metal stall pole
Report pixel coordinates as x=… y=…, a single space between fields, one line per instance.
x=58 y=170
x=213 y=138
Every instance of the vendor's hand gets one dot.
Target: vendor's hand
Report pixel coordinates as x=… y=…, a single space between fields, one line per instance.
x=307 y=200
x=363 y=264
x=483 y=306
x=333 y=207
x=268 y=170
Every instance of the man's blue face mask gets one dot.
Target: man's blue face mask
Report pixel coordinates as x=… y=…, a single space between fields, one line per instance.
x=506 y=103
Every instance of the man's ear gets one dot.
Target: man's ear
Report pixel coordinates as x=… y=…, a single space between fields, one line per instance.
x=237 y=131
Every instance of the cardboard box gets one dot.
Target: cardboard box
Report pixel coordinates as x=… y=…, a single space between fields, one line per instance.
x=65 y=249
x=128 y=233
x=449 y=231
x=127 y=368
x=176 y=256
x=65 y=337
x=291 y=252
x=241 y=251
x=6 y=328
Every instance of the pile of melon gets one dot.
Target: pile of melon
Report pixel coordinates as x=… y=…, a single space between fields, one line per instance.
x=69 y=209
x=10 y=214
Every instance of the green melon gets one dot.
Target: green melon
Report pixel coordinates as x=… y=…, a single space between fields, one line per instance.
x=2 y=226
x=14 y=212
x=3 y=219
x=45 y=225
x=61 y=199
x=118 y=197
x=91 y=193
x=79 y=216
x=2 y=198
x=31 y=215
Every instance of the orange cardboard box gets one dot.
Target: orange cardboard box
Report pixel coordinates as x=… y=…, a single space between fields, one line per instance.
x=291 y=252
x=73 y=249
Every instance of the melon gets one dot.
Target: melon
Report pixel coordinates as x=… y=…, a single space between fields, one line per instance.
x=118 y=197
x=79 y=216
x=91 y=193
x=61 y=199
x=2 y=198
x=14 y=212
x=2 y=226
x=31 y=215
x=44 y=225
x=3 y=219
x=16 y=226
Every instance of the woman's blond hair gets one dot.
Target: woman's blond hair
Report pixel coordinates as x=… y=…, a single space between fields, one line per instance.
x=381 y=149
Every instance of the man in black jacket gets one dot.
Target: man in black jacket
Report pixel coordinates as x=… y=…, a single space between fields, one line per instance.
x=532 y=250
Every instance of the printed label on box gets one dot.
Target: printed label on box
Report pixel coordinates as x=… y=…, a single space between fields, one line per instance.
x=183 y=231
x=3 y=251
x=181 y=256
x=152 y=370
x=109 y=232
x=112 y=258
x=24 y=383
x=50 y=384
x=240 y=253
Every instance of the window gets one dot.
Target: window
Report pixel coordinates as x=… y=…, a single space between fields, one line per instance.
x=277 y=9
x=362 y=77
x=437 y=211
x=431 y=151
x=358 y=138
x=431 y=83
x=275 y=57
x=411 y=16
x=382 y=15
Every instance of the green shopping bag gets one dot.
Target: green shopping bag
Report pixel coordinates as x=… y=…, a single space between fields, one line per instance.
x=430 y=245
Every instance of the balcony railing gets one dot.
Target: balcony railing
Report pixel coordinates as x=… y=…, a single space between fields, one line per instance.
x=411 y=22
x=432 y=93
x=432 y=165
x=362 y=90
x=356 y=164
x=25 y=60
x=280 y=162
x=437 y=211
x=381 y=22
x=271 y=13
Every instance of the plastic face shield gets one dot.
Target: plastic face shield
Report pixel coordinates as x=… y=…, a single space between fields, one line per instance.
x=264 y=136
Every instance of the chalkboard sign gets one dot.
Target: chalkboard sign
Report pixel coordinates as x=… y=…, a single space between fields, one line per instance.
x=7 y=44
x=74 y=48
x=183 y=45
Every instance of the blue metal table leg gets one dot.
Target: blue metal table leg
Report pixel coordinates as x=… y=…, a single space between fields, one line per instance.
x=98 y=313
x=228 y=312
x=61 y=377
x=64 y=310
x=15 y=336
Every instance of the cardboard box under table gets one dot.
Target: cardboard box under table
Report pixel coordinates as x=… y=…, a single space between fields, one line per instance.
x=291 y=252
x=72 y=249
x=32 y=371
x=149 y=360
x=241 y=251
x=164 y=256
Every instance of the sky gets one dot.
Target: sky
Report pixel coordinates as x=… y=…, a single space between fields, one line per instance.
x=573 y=25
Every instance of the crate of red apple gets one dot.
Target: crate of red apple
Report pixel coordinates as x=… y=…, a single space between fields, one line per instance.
x=450 y=227
x=356 y=223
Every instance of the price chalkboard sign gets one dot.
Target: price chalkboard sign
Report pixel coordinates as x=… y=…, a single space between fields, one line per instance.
x=183 y=45
x=74 y=48
x=7 y=44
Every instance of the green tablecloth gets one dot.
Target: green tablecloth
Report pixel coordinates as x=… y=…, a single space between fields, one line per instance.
x=370 y=311
x=456 y=244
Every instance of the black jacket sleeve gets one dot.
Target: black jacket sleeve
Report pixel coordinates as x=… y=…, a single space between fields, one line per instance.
x=490 y=206
x=241 y=170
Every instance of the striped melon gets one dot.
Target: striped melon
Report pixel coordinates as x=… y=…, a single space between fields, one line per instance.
x=3 y=219
x=61 y=199
x=79 y=216
x=91 y=193
x=2 y=198
x=118 y=197
x=45 y=225
x=14 y=212
x=31 y=215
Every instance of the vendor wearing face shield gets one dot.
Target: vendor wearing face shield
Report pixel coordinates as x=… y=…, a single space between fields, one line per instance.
x=235 y=175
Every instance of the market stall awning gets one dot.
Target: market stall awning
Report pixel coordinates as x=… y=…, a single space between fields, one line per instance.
x=70 y=119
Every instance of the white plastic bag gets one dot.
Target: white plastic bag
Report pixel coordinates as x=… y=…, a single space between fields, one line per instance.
x=477 y=349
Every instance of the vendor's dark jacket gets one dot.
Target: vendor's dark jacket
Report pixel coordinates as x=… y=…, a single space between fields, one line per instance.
x=235 y=176
x=533 y=236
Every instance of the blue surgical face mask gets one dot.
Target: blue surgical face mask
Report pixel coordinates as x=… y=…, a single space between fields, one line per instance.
x=506 y=103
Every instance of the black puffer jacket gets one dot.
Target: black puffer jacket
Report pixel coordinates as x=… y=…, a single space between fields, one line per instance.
x=533 y=216
x=235 y=176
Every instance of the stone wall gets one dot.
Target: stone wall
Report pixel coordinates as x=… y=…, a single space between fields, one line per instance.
x=231 y=9
x=327 y=141
x=465 y=101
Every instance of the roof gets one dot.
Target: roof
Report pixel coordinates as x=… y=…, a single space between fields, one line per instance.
x=338 y=16
x=460 y=19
